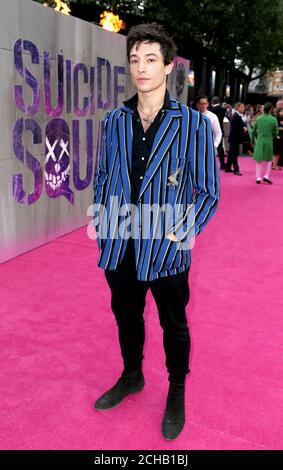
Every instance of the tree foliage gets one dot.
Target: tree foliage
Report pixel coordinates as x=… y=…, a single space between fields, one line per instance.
x=245 y=32
x=124 y=6
x=248 y=33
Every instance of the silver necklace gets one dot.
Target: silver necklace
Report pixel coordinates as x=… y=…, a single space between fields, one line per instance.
x=147 y=119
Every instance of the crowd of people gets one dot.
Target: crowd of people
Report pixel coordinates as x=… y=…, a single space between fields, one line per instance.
x=257 y=129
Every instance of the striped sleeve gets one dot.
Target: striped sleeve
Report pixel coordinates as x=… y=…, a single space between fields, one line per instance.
x=100 y=176
x=205 y=178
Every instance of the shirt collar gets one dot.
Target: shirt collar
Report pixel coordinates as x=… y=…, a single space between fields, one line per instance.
x=239 y=113
x=132 y=102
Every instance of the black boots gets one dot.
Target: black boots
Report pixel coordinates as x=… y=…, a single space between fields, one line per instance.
x=174 y=417
x=129 y=382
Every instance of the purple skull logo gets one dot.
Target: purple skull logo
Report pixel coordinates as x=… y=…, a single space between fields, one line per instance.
x=57 y=160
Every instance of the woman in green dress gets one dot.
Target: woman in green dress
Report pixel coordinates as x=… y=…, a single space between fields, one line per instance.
x=263 y=132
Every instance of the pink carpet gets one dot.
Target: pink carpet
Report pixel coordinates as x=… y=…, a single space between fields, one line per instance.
x=59 y=348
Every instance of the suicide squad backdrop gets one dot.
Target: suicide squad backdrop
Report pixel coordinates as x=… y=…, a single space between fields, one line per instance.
x=58 y=76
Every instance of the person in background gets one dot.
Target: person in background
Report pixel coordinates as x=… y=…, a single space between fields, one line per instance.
x=228 y=110
x=278 y=140
x=220 y=112
x=226 y=129
x=279 y=105
x=247 y=146
x=263 y=132
x=258 y=110
x=202 y=105
x=236 y=137
x=280 y=125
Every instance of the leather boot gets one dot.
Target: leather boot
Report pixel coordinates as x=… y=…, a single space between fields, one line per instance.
x=174 y=417
x=129 y=382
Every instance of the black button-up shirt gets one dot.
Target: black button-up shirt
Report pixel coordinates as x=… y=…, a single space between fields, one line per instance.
x=142 y=143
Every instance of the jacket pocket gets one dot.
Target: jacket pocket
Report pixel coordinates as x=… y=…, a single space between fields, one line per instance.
x=165 y=255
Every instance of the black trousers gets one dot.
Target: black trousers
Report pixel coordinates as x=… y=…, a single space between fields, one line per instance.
x=171 y=295
x=221 y=155
x=233 y=153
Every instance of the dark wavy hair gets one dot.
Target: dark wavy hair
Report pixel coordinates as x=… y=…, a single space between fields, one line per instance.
x=202 y=97
x=267 y=107
x=152 y=32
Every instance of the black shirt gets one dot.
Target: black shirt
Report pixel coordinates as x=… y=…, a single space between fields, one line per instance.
x=142 y=143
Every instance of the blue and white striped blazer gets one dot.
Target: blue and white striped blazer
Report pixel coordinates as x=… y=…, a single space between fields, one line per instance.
x=182 y=149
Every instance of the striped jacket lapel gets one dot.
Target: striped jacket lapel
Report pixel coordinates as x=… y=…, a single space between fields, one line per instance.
x=125 y=137
x=165 y=135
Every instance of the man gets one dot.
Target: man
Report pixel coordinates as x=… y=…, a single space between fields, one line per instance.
x=202 y=105
x=220 y=112
x=236 y=137
x=279 y=105
x=156 y=152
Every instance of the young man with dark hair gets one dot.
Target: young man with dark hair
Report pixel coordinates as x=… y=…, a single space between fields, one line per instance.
x=157 y=153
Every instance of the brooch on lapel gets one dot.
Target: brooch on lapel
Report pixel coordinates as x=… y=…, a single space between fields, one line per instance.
x=173 y=178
